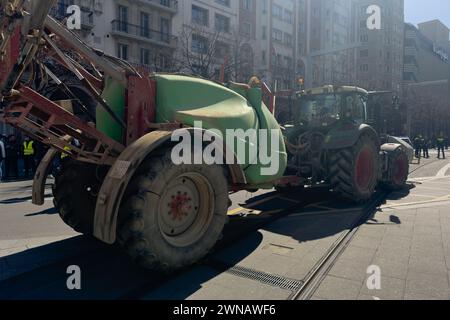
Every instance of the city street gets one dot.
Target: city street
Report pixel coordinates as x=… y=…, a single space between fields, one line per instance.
x=302 y=245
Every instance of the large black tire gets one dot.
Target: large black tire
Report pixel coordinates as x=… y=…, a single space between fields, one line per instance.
x=172 y=216
x=75 y=193
x=354 y=171
x=399 y=164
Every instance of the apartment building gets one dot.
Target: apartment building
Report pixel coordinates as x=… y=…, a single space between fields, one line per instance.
x=436 y=32
x=379 y=55
x=277 y=48
x=423 y=59
x=426 y=75
x=139 y=31
x=208 y=36
x=330 y=48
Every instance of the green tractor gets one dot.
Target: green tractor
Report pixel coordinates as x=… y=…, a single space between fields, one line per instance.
x=331 y=140
x=118 y=179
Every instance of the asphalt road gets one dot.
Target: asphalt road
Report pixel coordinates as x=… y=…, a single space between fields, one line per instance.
x=35 y=244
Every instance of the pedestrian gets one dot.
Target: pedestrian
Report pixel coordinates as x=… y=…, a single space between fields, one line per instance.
x=28 y=154
x=417 y=145
x=425 y=148
x=2 y=157
x=12 y=158
x=440 y=142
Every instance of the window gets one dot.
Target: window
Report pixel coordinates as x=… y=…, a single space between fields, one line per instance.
x=145 y=25
x=145 y=57
x=264 y=32
x=199 y=44
x=222 y=23
x=288 y=16
x=122 y=51
x=199 y=16
x=364 y=53
x=247 y=5
x=277 y=35
x=277 y=11
x=123 y=18
x=288 y=40
x=246 y=28
x=225 y=3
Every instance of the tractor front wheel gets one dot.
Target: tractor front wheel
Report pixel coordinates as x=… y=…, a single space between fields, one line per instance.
x=172 y=216
x=399 y=169
x=354 y=171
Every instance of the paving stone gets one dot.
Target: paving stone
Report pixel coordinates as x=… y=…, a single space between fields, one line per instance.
x=350 y=269
x=433 y=253
x=394 y=255
x=395 y=242
x=391 y=289
x=426 y=230
x=400 y=232
x=372 y=231
x=427 y=266
x=365 y=242
x=427 y=285
x=421 y=297
x=391 y=268
x=333 y=288
x=357 y=254
x=276 y=294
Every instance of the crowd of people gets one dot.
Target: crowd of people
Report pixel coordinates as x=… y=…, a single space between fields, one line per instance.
x=19 y=157
x=422 y=145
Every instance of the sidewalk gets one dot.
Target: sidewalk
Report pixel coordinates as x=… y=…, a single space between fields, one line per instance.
x=411 y=245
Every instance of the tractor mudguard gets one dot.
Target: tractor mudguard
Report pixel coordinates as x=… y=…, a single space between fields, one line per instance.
x=119 y=176
x=41 y=176
x=344 y=137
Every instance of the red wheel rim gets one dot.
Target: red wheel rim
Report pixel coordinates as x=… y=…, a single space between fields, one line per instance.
x=364 y=169
x=399 y=170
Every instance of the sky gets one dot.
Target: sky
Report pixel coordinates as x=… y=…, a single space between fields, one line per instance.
x=417 y=11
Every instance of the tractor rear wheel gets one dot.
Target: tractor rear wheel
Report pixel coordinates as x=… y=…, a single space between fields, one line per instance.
x=399 y=166
x=354 y=171
x=75 y=193
x=172 y=216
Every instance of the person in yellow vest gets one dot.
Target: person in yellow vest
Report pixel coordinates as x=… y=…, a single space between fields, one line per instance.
x=28 y=154
x=440 y=142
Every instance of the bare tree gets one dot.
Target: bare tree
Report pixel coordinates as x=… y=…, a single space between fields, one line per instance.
x=197 y=48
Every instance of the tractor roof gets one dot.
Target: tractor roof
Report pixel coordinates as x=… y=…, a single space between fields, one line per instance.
x=333 y=89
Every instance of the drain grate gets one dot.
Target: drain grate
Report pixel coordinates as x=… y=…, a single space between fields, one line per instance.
x=266 y=278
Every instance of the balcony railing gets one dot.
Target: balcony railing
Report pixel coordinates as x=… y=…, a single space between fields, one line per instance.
x=142 y=33
x=172 y=5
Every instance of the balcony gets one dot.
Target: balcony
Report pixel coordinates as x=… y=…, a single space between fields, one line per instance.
x=59 y=12
x=410 y=68
x=166 y=5
x=128 y=30
x=411 y=51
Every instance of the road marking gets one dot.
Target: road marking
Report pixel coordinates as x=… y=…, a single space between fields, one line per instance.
x=439 y=199
x=443 y=171
x=46 y=199
x=235 y=211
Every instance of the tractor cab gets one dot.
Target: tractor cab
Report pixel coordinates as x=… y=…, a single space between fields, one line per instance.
x=325 y=106
x=328 y=111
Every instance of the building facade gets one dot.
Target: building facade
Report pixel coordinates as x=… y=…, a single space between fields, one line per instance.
x=209 y=39
x=379 y=55
x=426 y=77
x=329 y=46
x=138 y=31
x=277 y=42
